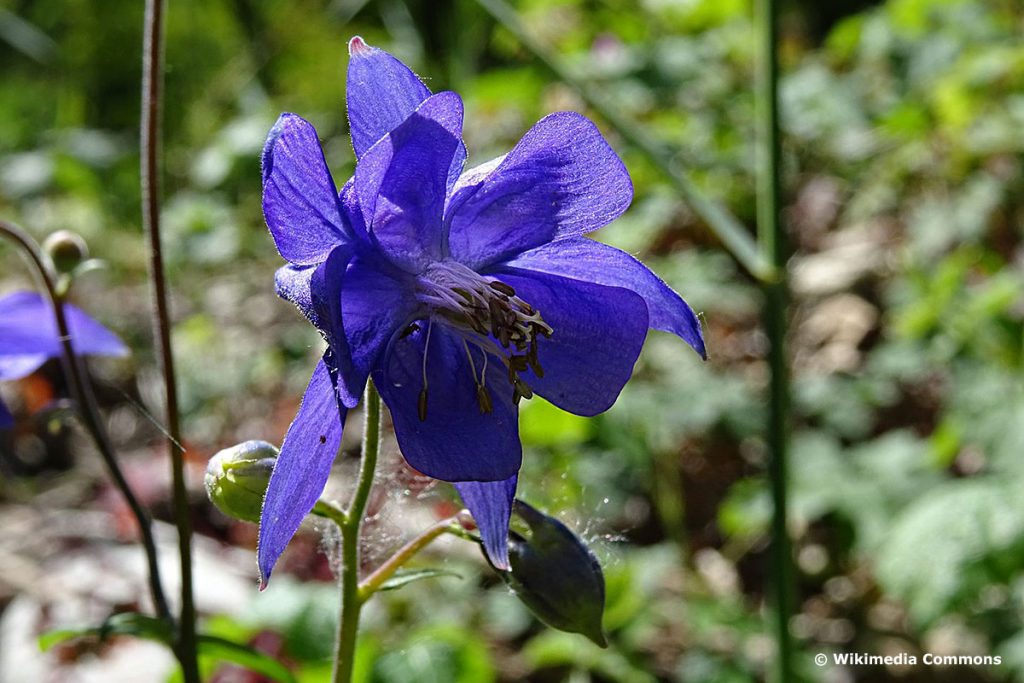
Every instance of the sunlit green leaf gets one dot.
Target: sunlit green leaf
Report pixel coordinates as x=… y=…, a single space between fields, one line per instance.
x=404 y=577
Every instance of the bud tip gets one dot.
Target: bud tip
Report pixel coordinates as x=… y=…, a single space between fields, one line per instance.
x=357 y=46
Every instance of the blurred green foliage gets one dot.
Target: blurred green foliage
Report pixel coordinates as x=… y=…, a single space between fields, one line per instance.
x=903 y=145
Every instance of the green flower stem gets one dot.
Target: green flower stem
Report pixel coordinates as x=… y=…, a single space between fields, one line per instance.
x=374 y=581
x=772 y=242
x=733 y=235
x=349 y=522
x=85 y=401
x=459 y=532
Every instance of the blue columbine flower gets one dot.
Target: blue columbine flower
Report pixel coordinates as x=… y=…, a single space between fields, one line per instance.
x=459 y=292
x=28 y=338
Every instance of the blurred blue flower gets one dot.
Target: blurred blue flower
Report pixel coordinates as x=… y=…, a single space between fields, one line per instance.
x=28 y=338
x=459 y=292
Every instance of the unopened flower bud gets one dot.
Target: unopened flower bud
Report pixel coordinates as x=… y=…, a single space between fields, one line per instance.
x=237 y=478
x=66 y=249
x=556 y=576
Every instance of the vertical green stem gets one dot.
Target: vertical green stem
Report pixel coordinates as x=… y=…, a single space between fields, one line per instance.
x=150 y=152
x=772 y=242
x=351 y=601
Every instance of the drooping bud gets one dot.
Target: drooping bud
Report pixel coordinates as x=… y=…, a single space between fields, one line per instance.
x=556 y=576
x=237 y=477
x=66 y=249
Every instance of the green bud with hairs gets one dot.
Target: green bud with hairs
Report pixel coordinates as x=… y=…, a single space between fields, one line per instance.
x=237 y=477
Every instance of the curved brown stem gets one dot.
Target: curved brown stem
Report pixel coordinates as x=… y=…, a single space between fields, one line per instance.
x=149 y=142
x=85 y=399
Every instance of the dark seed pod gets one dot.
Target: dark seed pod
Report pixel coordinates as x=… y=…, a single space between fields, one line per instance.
x=556 y=575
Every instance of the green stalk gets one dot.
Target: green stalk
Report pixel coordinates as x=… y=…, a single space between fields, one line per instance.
x=732 y=234
x=374 y=581
x=349 y=524
x=329 y=510
x=150 y=156
x=772 y=242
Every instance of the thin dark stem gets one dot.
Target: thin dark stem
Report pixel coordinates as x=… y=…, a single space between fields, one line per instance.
x=152 y=82
x=733 y=235
x=84 y=398
x=351 y=599
x=772 y=241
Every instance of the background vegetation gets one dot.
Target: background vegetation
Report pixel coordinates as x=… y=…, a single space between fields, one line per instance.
x=903 y=143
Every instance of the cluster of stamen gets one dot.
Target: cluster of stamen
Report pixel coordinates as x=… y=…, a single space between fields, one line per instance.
x=489 y=315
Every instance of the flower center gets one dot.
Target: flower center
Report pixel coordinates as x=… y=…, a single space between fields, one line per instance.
x=488 y=316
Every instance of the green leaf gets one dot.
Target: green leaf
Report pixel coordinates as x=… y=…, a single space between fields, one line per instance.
x=406 y=576
x=58 y=636
x=551 y=426
x=436 y=654
x=124 y=623
x=945 y=548
x=560 y=649
x=151 y=628
x=226 y=650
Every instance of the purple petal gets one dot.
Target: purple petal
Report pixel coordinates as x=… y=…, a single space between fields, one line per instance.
x=456 y=441
x=381 y=93
x=491 y=505
x=373 y=308
x=562 y=179
x=402 y=182
x=351 y=210
x=6 y=419
x=316 y=292
x=20 y=335
x=598 y=334
x=357 y=307
x=364 y=308
x=21 y=365
x=325 y=295
x=583 y=259
x=301 y=471
x=300 y=200
x=88 y=337
x=28 y=334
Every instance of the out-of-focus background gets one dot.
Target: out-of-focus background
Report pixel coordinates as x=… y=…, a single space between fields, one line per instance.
x=903 y=127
